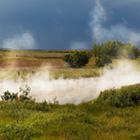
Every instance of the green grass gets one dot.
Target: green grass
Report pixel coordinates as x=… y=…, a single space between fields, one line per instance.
x=55 y=73
x=123 y=97
x=88 y=121
x=69 y=73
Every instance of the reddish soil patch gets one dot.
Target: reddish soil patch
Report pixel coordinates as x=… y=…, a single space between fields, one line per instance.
x=57 y=63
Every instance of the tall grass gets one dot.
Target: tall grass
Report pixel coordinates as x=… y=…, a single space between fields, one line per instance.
x=88 y=121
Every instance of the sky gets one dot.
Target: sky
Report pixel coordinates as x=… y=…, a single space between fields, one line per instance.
x=67 y=24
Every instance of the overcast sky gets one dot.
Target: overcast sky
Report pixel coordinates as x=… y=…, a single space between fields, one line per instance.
x=60 y=24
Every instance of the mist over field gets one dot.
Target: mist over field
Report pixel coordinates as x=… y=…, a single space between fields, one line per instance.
x=76 y=91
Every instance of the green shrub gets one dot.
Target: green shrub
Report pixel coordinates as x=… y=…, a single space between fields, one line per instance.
x=103 y=60
x=9 y=96
x=109 y=48
x=22 y=95
x=135 y=52
x=44 y=106
x=77 y=59
x=16 y=132
x=123 y=97
x=115 y=49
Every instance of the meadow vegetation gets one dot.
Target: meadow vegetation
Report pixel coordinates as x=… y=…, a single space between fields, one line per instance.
x=103 y=54
x=95 y=120
x=123 y=97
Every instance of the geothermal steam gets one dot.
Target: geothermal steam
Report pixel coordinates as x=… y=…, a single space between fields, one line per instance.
x=75 y=90
x=114 y=32
x=20 y=41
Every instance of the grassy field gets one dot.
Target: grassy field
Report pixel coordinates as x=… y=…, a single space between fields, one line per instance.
x=30 y=59
x=23 y=63
x=88 y=121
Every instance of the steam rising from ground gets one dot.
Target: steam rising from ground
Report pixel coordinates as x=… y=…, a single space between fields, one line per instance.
x=78 y=45
x=22 y=41
x=114 y=32
x=75 y=90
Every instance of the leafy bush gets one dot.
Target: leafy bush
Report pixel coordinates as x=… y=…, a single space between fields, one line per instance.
x=43 y=106
x=114 y=49
x=22 y=95
x=101 y=61
x=77 y=59
x=16 y=132
x=9 y=96
x=123 y=97
x=109 y=48
x=136 y=52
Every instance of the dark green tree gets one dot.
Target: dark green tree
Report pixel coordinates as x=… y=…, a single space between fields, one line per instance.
x=77 y=59
x=103 y=60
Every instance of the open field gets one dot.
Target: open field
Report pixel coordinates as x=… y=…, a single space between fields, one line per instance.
x=22 y=63
x=30 y=59
x=88 y=121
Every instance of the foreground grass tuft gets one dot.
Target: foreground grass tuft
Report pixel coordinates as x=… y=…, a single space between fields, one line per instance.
x=123 y=97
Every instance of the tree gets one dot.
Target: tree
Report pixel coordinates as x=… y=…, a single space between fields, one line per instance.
x=103 y=60
x=77 y=59
x=136 y=52
x=109 y=48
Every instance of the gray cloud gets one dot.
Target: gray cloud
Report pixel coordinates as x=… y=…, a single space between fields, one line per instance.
x=78 y=45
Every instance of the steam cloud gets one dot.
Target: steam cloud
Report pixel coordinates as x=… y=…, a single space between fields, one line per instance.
x=80 y=90
x=115 y=32
x=23 y=41
x=75 y=90
x=78 y=45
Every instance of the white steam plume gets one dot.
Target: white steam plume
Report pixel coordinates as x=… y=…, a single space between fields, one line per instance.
x=21 y=41
x=75 y=90
x=114 y=32
x=24 y=41
x=78 y=45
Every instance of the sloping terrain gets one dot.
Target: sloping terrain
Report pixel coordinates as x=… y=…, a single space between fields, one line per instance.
x=89 y=121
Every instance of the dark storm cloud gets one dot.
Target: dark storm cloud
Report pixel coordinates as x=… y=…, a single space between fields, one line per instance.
x=56 y=24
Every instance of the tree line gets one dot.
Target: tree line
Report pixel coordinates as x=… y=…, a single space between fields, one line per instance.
x=103 y=54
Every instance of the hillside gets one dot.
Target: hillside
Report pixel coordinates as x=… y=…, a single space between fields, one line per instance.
x=88 y=121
